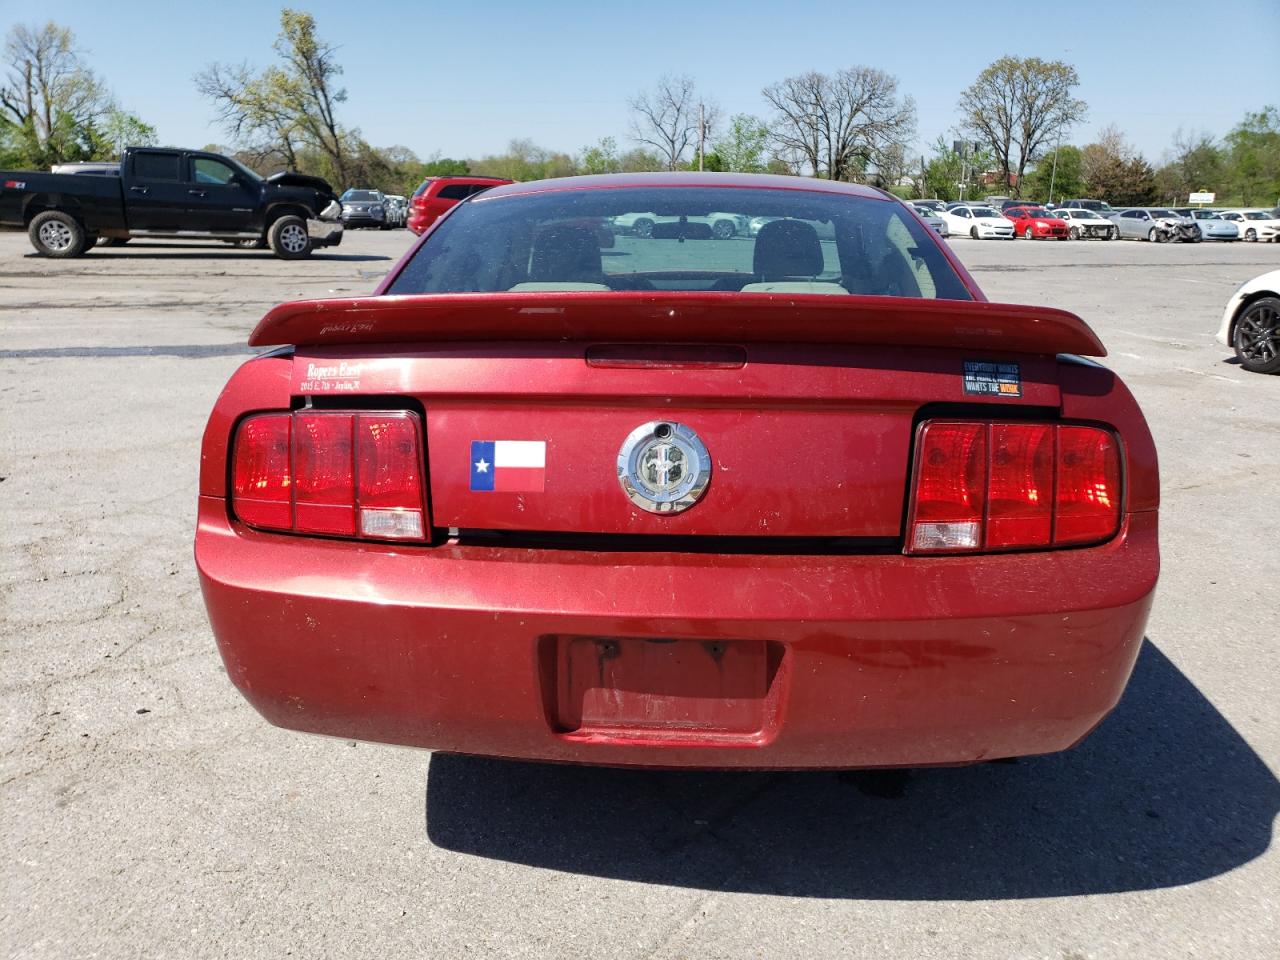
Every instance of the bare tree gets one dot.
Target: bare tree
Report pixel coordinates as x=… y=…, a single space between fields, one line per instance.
x=672 y=118
x=49 y=94
x=838 y=125
x=307 y=87
x=290 y=109
x=250 y=112
x=1017 y=106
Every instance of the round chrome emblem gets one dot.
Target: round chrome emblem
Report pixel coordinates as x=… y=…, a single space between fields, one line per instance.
x=664 y=467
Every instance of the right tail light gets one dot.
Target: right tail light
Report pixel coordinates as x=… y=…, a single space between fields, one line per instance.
x=984 y=486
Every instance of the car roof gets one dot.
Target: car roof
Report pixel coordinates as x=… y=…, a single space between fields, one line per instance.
x=759 y=181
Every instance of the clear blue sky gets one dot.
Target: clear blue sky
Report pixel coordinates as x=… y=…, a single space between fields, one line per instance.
x=463 y=78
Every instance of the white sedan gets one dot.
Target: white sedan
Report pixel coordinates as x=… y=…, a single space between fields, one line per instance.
x=1251 y=324
x=979 y=222
x=1254 y=224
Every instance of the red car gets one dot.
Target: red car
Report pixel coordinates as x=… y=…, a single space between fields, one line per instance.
x=775 y=502
x=1032 y=222
x=435 y=195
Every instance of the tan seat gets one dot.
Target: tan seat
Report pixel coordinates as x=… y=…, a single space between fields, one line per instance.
x=566 y=254
x=787 y=250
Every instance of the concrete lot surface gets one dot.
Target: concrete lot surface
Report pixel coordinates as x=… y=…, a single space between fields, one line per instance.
x=147 y=811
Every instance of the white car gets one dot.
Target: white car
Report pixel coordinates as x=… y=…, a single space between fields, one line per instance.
x=1254 y=224
x=977 y=221
x=1251 y=324
x=723 y=225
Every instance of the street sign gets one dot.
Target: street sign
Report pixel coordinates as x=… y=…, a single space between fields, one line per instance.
x=1201 y=198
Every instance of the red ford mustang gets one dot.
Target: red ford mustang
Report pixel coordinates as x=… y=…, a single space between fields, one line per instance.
x=804 y=499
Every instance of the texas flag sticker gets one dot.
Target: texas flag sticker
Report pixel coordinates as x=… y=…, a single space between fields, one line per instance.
x=508 y=466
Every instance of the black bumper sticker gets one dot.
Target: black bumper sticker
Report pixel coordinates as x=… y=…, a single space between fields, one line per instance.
x=987 y=379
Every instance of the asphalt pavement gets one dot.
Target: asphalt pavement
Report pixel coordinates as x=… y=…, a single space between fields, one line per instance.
x=147 y=811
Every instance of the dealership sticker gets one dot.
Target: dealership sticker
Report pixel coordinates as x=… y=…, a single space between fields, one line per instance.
x=334 y=377
x=992 y=379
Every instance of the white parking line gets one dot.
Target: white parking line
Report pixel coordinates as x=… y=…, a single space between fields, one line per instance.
x=1214 y=376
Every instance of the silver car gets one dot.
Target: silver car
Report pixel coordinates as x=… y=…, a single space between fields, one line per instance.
x=930 y=216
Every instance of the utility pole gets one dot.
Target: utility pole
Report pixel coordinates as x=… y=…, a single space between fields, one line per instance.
x=1053 y=174
x=702 y=136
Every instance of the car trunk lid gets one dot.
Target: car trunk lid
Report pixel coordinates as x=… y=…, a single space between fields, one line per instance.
x=807 y=439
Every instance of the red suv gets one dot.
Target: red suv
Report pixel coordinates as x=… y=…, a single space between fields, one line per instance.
x=438 y=194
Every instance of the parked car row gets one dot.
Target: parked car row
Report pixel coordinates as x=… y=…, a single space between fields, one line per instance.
x=1085 y=219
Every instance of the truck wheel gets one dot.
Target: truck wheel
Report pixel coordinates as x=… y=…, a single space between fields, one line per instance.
x=57 y=234
x=289 y=239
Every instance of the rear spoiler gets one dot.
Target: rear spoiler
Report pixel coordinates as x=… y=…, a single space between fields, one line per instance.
x=678 y=317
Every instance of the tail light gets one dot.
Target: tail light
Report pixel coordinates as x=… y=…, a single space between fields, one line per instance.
x=337 y=473
x=1012 y=486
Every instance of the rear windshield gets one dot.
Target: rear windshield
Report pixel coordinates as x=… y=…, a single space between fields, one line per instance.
x=718 y=239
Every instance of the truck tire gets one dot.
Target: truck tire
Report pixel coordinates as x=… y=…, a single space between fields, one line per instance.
x=57 y=234
x=289 y=239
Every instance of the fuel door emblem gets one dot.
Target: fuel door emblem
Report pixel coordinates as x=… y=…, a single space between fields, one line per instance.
x=664 y=467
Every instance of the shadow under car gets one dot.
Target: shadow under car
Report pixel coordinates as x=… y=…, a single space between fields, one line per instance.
x=1164 y=793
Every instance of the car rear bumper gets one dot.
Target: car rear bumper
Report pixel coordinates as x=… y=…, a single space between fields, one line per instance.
x=758 y=661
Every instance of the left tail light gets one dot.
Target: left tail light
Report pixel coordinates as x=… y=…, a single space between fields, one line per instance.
x=333 y=473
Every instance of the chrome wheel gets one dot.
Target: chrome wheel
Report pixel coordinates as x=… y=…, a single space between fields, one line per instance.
x=57 y=236
x=293 y=238
x=1251 y=235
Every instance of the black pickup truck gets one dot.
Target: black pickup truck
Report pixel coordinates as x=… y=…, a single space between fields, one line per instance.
x=183 y=194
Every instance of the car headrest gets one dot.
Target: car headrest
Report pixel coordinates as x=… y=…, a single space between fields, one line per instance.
x=566 y=254
x=787 y=248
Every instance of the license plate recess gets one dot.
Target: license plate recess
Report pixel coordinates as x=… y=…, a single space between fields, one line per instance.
x=650 y=688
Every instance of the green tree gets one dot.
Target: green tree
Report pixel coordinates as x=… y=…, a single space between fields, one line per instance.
x=1017 y=107
x=119 y=130
x=525 y=160
x=1051 y=185
x=601 y=158
x=1114 y=171
x=1253 y=158
x=950 y=175
x=744 y=146
x=1194 y=163
x=50 y=101
x=439 y=166
x=641 y=160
